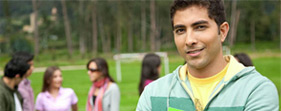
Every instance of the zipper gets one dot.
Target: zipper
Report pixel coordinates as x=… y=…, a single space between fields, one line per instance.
x=198 y=106
x=215 y=94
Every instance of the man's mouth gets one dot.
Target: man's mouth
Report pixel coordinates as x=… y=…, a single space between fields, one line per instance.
x=194 y=51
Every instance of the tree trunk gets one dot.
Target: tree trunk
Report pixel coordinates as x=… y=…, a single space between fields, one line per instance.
x=82 y=45
x=130 y=36
x=36 y=36
x=280 y=24
x=8 y=27
x=119 y=28
x=143 y=25
x=102 y=35
x=233 y=20
x=95 y=29
x=237 y=16
x=158 y=40
x=108 y=36
x=67 y=28
x=152 y=26
x=253 y=31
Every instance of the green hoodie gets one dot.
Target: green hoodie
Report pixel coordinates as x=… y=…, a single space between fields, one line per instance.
x=242 y=89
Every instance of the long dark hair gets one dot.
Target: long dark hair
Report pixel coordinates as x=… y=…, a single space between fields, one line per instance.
x=150 y=64
x=244 y=59
x=102 y=66
x=48 y=77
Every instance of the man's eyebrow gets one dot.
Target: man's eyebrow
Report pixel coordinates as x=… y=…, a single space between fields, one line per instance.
x=178 y=26
x=199 y=22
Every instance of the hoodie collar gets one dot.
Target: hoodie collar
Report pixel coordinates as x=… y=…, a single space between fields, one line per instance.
x=232 y=71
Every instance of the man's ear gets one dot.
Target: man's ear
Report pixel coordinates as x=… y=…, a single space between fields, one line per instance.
x=17 y=75
x=224 y=28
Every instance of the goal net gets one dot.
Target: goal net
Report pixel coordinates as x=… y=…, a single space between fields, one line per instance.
x=125 y=57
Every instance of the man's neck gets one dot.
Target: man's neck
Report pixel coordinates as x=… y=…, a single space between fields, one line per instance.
x=210 y=70
x=9 y=82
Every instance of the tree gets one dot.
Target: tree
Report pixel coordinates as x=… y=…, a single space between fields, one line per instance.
x=95 y=30
x=152 y=26
x=130 y=31
x=82 y=46
x=8 y=27
x=102 y=35
x=36 y=36
x=253 y=39
x=143 y=25
x=130 y=36
x=233 y=22
x=119 y=28
x=67 y=28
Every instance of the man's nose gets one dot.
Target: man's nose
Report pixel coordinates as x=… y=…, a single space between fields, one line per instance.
x=190 y=39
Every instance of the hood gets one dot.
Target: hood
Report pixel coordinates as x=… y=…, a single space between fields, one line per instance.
x=234 y=71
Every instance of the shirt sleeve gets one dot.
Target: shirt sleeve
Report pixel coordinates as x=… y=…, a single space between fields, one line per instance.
x=39 y=102
x=263 y=98
x=74 y=98
x=3 y=105
x=115 y=100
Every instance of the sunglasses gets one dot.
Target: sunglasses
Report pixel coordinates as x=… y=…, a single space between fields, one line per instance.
x=93 y=70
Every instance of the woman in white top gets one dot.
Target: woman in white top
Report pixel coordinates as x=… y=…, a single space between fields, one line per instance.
x=104 y=94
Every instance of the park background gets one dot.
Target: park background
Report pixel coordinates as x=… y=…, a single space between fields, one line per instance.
x=70 y=32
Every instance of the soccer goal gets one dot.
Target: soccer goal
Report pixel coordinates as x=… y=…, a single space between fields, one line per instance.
x=125 y=57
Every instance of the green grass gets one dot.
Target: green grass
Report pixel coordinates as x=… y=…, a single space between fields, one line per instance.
x=271 y=68
x=79 y=81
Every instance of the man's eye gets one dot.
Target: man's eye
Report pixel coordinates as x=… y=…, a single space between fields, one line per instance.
x=180 y=31
x=201 y=27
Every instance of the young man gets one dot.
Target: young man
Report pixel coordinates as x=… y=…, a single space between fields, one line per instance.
x=24 y=87
x=14 y=72
x=208 y=81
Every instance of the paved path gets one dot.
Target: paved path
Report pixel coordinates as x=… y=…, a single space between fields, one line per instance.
x=42 y=69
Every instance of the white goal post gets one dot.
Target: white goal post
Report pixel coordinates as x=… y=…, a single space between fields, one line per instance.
x=136 y=56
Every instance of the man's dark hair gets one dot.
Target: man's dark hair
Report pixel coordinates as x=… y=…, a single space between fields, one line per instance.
x=215 y=8
x=14 y=67
x=25 y=56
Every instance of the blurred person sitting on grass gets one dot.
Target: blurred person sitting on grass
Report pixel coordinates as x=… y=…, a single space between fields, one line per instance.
x=53 y=96
x=150 y=70
x=244 y=59
x=104 y=94
x=10 y=98
x=24 y=87
x=208 y=81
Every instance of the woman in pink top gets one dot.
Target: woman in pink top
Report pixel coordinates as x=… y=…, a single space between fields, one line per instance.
x=54 y=97
x=150 y=71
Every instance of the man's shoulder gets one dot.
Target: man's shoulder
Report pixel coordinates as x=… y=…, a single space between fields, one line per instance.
x=252 y=74
x=3 y=89
x=251 y=78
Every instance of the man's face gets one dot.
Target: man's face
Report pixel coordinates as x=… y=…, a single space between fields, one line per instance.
x=30 y=70
x=196 y=36
x=18 y=79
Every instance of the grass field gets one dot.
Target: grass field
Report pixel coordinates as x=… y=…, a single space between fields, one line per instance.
x=79 y=81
